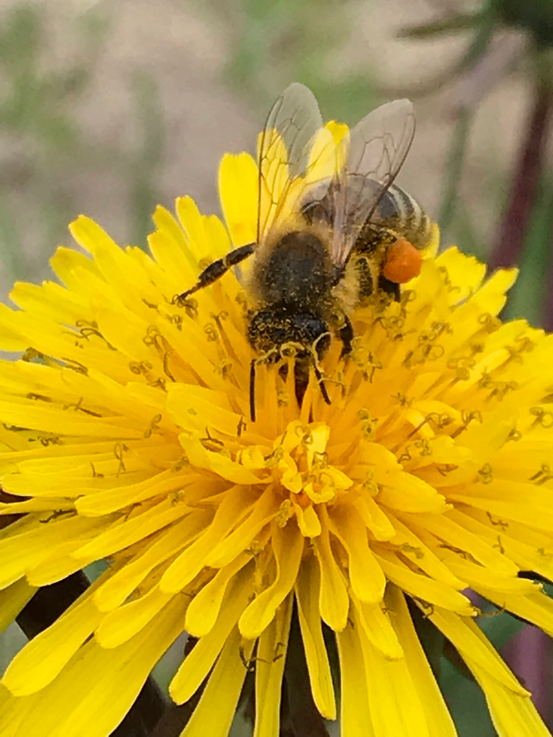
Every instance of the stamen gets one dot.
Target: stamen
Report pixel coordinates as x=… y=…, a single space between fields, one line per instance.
x=118 y=450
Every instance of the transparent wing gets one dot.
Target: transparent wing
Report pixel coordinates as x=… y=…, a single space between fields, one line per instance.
x=291 y=126
x=375 y=151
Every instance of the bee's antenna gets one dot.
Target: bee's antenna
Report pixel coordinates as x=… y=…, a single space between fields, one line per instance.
x=321 y=384
x=252 y=389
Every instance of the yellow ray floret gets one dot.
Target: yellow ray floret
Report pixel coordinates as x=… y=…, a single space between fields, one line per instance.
x=126 y=436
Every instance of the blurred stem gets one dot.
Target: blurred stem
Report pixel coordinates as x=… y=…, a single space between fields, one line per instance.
x=549 y=306
x=529 y=656
x=175 y=718
x=453 y=169
x=529 y=296
x=528 y=170
x=459 y=138
x=149 y=155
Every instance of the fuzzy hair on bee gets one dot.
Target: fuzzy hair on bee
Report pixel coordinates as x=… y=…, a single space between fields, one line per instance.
x=332 y=230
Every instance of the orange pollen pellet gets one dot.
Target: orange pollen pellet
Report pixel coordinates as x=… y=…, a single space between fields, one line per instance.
x=403 y=262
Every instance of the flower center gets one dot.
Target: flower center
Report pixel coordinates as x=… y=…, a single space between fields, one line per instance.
x=301 y=466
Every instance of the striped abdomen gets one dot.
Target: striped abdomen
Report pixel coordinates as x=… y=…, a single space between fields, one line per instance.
x=399 y=212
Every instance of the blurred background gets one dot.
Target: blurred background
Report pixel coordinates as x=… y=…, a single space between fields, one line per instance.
x=109 y=109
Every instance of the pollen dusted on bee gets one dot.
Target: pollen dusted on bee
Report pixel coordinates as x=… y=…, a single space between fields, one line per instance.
x=332 y=231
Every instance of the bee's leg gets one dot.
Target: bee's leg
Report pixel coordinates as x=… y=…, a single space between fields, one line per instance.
x=322 y=385
x=252 y=389
x=346 y=336
x=216 y=270
x=301 y=380
x=390 y=287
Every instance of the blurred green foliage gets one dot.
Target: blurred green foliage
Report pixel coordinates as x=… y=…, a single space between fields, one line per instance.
x=37 y=127
x=274 y=43
x=535 y=17
x=529 y=298
x=144 y=165
x=42 y=139
x=33 y=103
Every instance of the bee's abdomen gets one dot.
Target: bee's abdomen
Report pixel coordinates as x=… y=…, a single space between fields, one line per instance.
x=400 y=212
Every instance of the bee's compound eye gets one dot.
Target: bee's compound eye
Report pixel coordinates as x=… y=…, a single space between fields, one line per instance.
x=403 y=262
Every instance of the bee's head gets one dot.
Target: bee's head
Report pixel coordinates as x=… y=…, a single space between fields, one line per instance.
x=276 y=333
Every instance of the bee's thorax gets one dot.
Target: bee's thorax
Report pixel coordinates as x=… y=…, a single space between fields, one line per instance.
x=295 y=275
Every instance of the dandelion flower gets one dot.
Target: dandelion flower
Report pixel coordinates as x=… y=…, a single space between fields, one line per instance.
x=126 y=433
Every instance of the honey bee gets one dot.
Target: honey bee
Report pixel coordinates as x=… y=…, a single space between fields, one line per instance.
x=332 y=229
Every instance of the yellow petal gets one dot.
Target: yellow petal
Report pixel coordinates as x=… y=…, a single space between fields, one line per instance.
x=393 y=697
x=204 y=608
x=451 y=528
x=199 y=661
x=355 y=715
x=126 y=532
x=288 y=545
x=438 y=718
x=223 y=688
x=238 y=502
x=22 y=552
x=269 y=669
x=307 y=596
x=366 y=576
x=512 y=714
x=423 y=587
x=238 y=182
x=378 y=628
x=333 y=599
x=474 y=647
x=264 y=510
x=115 y=590
x=421 y=555
x=73 y=706
x=308 y=520
x=535 y=607
x=216 y=462
x=120 y=625
x=12 y=600
x=43 y=657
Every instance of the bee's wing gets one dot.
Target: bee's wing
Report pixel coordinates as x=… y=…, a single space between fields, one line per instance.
x=376 y=150
x=291 y=126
